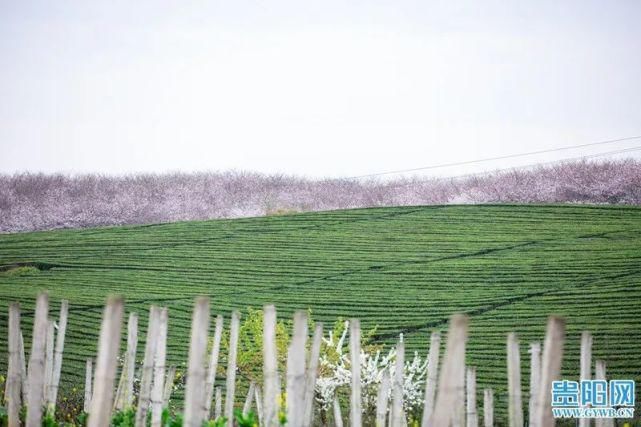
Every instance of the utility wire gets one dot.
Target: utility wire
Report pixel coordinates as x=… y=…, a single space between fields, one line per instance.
x=589 y=156
x=509 y=156
x=470 y=175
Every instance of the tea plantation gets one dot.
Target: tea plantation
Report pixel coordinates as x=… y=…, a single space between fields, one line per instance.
x=401 y=269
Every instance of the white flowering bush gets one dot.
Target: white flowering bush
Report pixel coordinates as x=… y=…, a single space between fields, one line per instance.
x=31 y=201
x=335 y=374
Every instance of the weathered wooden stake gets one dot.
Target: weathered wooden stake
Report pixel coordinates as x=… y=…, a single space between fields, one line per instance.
x=14 y=381
x=109 y=344
x=230 y=392
x=158 y=387
x=338 y=418
x=535 y=379
x=550 y=369
x=218 y=404
x=88 y=385
x=355 y=358
x=57 y=357
x=36 y=370
x=169 y=386
x=126 y=398
x=599 y=374
x=270 y=368
x=382 y=400
x=295 y=387
x=453 y=373
x=312 y=373
x=472 y=415
x=249 y=398
x=397 y=384
x=195 y=387
x=51 y=334
x=488 y=407
x=120 y=388
x=259 y=404
x=432 y=377
x=586 y=366
x=515 y=401
x=146 y=375
x=212 y=367
x=23 y=371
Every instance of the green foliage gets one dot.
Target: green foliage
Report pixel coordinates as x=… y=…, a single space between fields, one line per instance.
x=169 y=420
x=81 y=419
x=20 y=271
x=282 y=418
x=4 y=417
x=126 y=418
x=218 y=422
x=49 y=421
x=245 y=420
x=250 y=344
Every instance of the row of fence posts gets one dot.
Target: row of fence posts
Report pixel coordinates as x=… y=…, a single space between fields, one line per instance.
x=37 y=383
x=449 y=399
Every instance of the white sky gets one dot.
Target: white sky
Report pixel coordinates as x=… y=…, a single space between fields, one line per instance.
x=323 y=88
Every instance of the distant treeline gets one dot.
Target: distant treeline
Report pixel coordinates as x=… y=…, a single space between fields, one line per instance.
x=31 y=201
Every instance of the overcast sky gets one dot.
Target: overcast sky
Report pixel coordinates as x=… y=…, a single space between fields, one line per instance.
x=323 y=88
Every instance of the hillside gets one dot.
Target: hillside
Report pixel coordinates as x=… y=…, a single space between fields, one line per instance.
x=403 y=269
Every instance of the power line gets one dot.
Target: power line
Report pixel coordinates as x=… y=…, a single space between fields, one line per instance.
x=589 y=156
x=509 y=156
x=470 y=175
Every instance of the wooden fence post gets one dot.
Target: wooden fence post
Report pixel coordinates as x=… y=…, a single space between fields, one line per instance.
x=550 y=369
x=146 y=375
x=120 y=387
x=212 y=367
x=397 y=384
x=355 y=357
x=249 y=398
x=459 y=413
x=295 y=386
x=312 y=372
x=102 y=396
x=231 y=367
x=159 y=369
x=88 y=385
x=51 y=334
x=599 y=374
x=169 y=386
x=57 y=357
x=14 y=381
x=132 y=350
x=270 y=368
x=125 y=398
x=515 y=404
x=535 y=379
x=36 y=368
x=472 y=415
x=585 y=366
x=23 y=371
x=453 y=373
x=195 y=387
x=259 y=404
x=488 y=407
x=432 y=377
x=382 y=400
x=338 y=417
x=218 y=404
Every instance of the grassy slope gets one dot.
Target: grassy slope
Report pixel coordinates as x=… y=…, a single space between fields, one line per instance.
x=404 y=269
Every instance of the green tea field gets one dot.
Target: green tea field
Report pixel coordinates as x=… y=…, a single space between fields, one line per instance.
x=401 y=269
